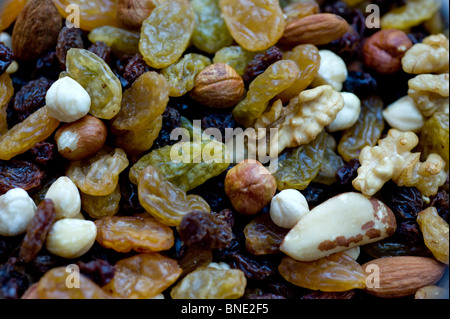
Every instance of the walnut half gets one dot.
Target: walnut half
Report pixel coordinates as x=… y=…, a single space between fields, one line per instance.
x=302 y=119
x=430 y=92
x=392 y=159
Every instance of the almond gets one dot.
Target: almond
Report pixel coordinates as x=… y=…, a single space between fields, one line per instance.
x=400 y=276
x=317 y=29
x=36 y=29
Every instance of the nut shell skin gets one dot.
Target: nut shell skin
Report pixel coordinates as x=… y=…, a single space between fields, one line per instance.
x=250 y=187
x=82 y=138
x=218 y=86
x=384 y=50
x=36 y=29
x=131 y=13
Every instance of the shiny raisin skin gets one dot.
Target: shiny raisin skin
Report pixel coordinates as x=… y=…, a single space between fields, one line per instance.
x=348 y=172
x=44 y=152
x=220 y=121
x=405 y=202
x=6 y=58
x=12 y=282
x=31 y=97
x=37 y=230
x=68 y=38
x=98 y=270
x=440 y=201
x=204 y=229
x=102 y=50
x=134 y=67
x=20 y=174
x=260 y=63
x=171 y=120
x=360 y=83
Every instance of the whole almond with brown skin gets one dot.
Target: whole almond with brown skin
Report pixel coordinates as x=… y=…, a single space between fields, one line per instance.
x=401 y=276
x=36 y=29
x=82 y=138
x=218 y=86
x=317 y=29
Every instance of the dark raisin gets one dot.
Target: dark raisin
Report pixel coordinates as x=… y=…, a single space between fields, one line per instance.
x=194 y=257
x=409 y=232
x=102 y=50
x=68 y=38
x=43 y=152
x=220 y=121
x=316 y=194
x=129 y=200
x=37 y=230
x=12 y=282
x=260 y=63
x=205 y=230
x=134 y=67
x=171 y=120
x=360 y=83
x=440 y=202
x=6 y=58
x=405 y=202
x=20 y=174
x=348 y=172
x=47 y=66
x=100 y=271
x=336 y=7
x=43 y=262
x=31 y=97
x=7 y=246
x=348 y=47
x=350 y=294
x=226 y=216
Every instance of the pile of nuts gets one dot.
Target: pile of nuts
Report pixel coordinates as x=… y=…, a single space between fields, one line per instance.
x=117 y=162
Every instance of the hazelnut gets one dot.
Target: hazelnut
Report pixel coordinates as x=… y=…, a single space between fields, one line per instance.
x=218 y=86
x=131 y=13
x=80 y=139
x=384 y=50
x=250 y=187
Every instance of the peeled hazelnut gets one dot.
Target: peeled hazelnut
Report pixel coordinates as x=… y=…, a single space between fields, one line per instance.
x=250 y=187
x=131 y=13
x=218 y=86
x=80 y=139
x=384 y=50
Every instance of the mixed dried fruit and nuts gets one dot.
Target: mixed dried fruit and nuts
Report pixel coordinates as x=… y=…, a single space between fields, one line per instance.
x=356 y=207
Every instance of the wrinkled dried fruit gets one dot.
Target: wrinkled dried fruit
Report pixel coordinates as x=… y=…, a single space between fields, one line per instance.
x=299 y=166
x=95 y=76
x=68 y=38
x=194 y=166
x=119 y=40
x=435 y=233
x=434 y=137
x=210 y=32
x=411 y=14
x=365 y=132
x=101 y=50
x=275 y=79
x=260 y=63
x=55 y=285
x=101 y=206
x=37 y=230
x=98 y=270
x=9 y=10
x=23 y=136
x=235 y=56
x=180 y=75
x=6 y=92
x=171 y=23
x=31 y=97
x=205 y=230
x=126 y=233
x=143 y=276
x=248 y=21
x=142 y=103
x=92 y=14
x=98 y=175
x=212 y=283
x=263 y=236
x=165 y=201
x=308 y=60
x=337 y=272
x=6 y=58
